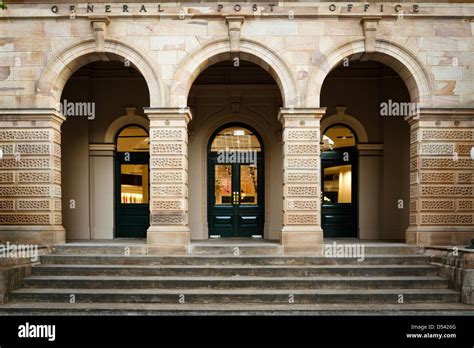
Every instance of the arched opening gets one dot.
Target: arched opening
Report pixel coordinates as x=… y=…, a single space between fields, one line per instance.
x=132 y=183
x=378 y=100
x=94 y=97
x=339 y=182
x=236 y=183
x=246 y=99
x=215 y=52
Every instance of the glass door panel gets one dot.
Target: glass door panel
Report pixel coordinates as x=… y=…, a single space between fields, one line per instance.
x=248 y=184
x=134 y=184
x=223 y=184
x=337 y=184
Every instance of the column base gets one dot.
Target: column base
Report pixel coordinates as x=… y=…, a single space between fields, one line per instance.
x=443 y=235
x=168 y=240
x=42 y=235
x=302 y=240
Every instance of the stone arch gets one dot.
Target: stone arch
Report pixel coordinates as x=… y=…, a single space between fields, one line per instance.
x=63 y=65
x=405 y=63
x=217 y=51
x=342 y=118
x=129 y=119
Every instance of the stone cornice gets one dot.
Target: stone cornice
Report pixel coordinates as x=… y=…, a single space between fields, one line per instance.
x=370 y=147
x=191 y=10
x=101 y=147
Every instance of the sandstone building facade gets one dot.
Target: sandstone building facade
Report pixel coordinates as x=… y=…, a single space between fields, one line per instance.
x=313 y=89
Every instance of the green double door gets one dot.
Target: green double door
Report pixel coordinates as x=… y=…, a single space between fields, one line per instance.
x=236 y=198
x=339 y=196
x=132 y=209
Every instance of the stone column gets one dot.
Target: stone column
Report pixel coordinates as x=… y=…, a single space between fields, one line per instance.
x=169 y=228
x=30 y=176
x=441 y=177
x=301 y=233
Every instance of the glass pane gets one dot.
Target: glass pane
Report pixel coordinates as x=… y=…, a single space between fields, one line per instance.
x=235 y=139
x=338 y=136
x=248 y=184
x=338 y=184
x=134 y=183
x=133 y=139
x=223 y=184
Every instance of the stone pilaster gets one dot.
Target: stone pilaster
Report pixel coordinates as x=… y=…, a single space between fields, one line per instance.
x=30 y=176
x=301 y=233
x=441 y=177
x=169 y=229
x=369 y=184
x=101 y=188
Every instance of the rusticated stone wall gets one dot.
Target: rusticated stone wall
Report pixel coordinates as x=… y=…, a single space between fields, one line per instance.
x=30 y=177
x=441 y=178
x=169 y=231
x=301 y=231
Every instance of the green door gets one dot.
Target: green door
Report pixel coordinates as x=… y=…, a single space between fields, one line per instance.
x=236 y=199
x=339 y=198
x=132 y=210
x=235 y=184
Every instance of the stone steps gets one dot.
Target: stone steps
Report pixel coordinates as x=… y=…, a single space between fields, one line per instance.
x=327 y=309
x=112 y=283
x=217 y=247
x=236 y=270
x=330 y=282
x=232 y=260
x=235 y=296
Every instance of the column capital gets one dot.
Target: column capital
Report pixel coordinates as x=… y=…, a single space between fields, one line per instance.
x=169 y=113
x=298 y=113
x=435 y=117
x=370 y=149
x=32 y=115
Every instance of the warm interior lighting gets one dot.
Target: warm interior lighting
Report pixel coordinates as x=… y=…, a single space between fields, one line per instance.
x=338 y=184
x=338 y=136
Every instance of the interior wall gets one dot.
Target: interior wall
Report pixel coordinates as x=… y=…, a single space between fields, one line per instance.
x=361 y=88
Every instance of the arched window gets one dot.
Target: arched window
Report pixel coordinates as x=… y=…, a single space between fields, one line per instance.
x=235 y=138
x=133 y=139
x=338 y=136
x=132 y=148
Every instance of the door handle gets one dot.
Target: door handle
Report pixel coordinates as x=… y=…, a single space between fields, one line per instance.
x=236 y=197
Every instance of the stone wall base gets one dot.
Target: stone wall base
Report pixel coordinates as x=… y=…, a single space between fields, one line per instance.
x=12 y=272
x=458 y=267
x=168 y=240
x=301 y=241
x=439 y=236
x=42 y=235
